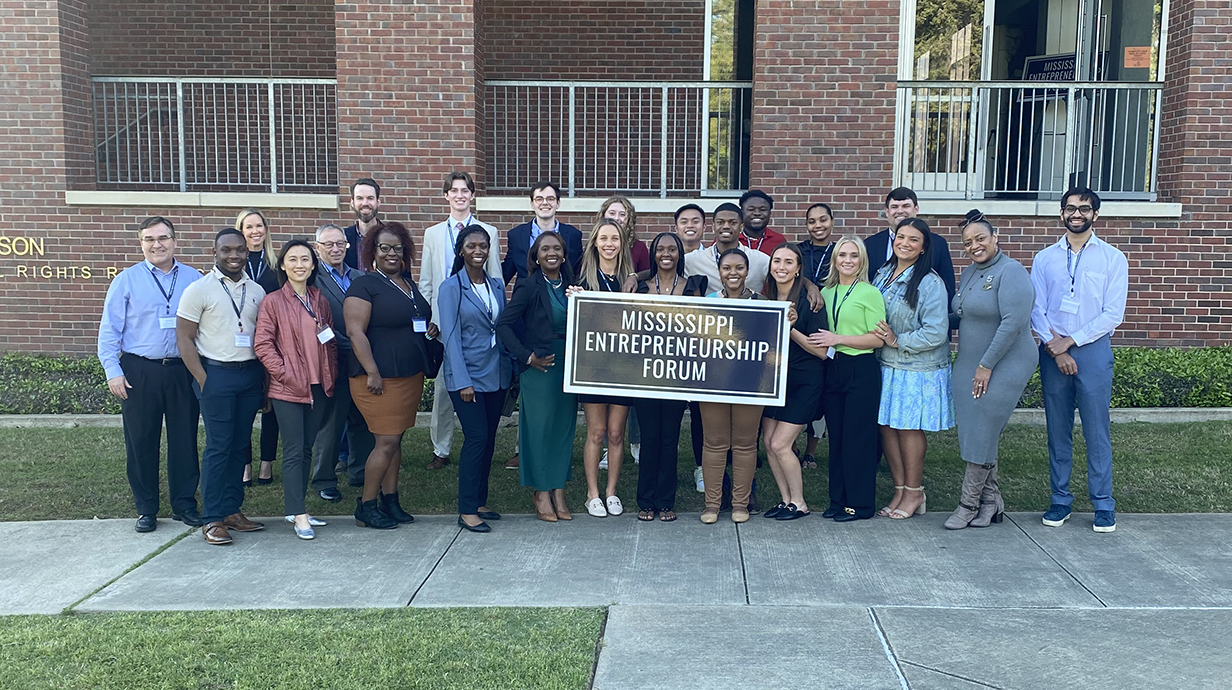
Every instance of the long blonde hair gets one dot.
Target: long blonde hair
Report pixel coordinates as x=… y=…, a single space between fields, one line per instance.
x=630 y=225
x=861 y=274
x=589 y=274
x=270 y=259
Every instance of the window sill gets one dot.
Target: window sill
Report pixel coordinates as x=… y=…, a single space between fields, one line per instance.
x=1046 y=209
x=202 y=200
x=586 y=204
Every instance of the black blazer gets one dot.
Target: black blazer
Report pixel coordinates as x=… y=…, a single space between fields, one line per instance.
x=877 y=245
x=531 y=305
x=517 y=249
x=333 y=294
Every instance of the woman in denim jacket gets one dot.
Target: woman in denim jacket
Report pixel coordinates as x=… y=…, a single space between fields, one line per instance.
x=915 y=364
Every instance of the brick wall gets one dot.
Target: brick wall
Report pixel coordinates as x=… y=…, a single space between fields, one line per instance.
x=201 y=38
x=595 y=39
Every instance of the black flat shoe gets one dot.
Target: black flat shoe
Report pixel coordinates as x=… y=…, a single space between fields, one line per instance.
x=146 y=523
x=267 y=480
x=792 y=513
x=832 y=512
x=488 y=515
x=775 y=511
x=481 y=528
x=849 y=515
x=188 y=516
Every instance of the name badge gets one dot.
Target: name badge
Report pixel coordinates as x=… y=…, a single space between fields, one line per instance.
x=325 y=335
x=830 y=352
x=243 y=340
x=166 y=322
x=420 y=325
x=1069 y=306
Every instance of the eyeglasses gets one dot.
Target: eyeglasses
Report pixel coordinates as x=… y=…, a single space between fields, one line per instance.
x=387 y=248
x=341 y=244
x=542 y=199
x=161 y=239
x=977 y=218
x=1084 y=210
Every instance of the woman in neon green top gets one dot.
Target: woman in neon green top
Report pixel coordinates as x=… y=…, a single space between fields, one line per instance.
x=853 y=383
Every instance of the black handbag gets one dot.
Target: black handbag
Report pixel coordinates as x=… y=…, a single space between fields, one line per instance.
x=434 y=350
x=511 y=395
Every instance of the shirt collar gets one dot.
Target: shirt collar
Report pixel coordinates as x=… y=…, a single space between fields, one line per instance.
x=534 y=225
x=1064 y=243
x=219 y=275
x=453 y=224
x=155 y=269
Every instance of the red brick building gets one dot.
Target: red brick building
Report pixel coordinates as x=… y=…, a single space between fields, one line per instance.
x=115 y=110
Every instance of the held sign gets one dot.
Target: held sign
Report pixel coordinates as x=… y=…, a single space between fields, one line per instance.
x=705 y=349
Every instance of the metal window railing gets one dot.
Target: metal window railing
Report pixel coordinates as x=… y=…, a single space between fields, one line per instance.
x=216 y=133
x=618 y=136
x=1028 y=139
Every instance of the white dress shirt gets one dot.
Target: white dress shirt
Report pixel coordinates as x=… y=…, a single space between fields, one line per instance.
x=1080 y=295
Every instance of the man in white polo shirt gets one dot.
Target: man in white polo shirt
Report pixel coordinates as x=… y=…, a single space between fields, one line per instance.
x=217 y=318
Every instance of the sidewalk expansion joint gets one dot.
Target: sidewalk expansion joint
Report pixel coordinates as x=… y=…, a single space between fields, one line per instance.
x=938 y=671
x=191 y=530
x=594 y=666
x=744 y=576
x=435 y=566
x=889 y=651
x=1054 y=560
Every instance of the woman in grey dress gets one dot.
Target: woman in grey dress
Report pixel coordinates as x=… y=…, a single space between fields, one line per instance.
x=996 y=357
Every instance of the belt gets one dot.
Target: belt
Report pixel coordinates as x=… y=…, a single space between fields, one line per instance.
x=165 y=361
x=229 y=365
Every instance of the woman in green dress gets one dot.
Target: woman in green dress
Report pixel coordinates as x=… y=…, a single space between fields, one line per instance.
x=532 y=328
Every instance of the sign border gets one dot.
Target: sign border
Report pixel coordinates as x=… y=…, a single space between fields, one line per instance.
x=689 y=395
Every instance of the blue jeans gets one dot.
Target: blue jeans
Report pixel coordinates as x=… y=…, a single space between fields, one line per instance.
x=229 y=404
x=1090 y=391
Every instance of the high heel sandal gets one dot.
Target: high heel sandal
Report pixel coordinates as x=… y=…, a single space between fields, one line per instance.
x=885 y=512
x=900 y=514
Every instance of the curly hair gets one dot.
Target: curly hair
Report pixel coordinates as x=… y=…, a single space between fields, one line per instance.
x=367 y=248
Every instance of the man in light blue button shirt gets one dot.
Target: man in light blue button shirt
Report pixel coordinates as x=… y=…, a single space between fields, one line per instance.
x=1081 y=284
x=136 y=344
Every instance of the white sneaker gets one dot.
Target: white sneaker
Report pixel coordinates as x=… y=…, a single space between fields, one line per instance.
x=614 y=506
x=635 y=449
x=697 y=479
x=595 y=507
x=603 y=460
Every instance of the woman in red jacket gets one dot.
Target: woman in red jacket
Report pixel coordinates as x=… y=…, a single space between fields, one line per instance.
x=295 y=342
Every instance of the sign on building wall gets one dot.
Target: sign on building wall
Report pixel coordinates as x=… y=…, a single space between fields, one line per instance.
x=679 y=348
x=25 y=258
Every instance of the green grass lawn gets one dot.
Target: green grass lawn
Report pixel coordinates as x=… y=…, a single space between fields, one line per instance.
x=79 y=473
x=435 y=649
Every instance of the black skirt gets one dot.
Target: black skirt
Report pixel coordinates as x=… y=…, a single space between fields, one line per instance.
x=803 y=399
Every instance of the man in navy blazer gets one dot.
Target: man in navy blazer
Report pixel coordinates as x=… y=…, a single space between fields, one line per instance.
x=901 y=204
x=544 y=200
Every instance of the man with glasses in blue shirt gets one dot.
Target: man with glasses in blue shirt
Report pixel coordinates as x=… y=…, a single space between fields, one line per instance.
x=1081 y=284
x=137 y=347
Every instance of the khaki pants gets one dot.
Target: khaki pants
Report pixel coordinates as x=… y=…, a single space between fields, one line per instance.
x=729 y=427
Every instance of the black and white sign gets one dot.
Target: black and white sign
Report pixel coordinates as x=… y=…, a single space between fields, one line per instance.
x=681 y=348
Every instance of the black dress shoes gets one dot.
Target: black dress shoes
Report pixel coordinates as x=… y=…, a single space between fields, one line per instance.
x=488 y=515
x=188 y=516
x=832 y=512
x=146 y=523
x=331 y=495
x=481 y=528
x=850 y=515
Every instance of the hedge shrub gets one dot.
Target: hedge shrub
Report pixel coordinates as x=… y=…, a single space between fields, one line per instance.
x=1143 y=377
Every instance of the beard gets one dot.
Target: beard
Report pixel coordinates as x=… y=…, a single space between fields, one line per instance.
x=365 y=217
x=1086 y=225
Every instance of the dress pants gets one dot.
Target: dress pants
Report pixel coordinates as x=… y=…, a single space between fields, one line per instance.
x=344 y=415
x=229 y=403
x=730 y=427
x=696 y=433
x=852 y=398
x=443 y=422
x=269 y=440
x=300 y=424
x=479 y=421
x=160 y=390
x=656 y=471
x=1090 y=391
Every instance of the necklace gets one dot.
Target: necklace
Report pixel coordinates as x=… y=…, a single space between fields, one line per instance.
x=675 y=279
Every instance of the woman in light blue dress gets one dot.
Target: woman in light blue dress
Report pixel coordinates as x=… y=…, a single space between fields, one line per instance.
x=915 y=364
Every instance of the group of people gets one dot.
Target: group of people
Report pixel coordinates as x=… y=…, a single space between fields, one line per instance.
x=332 y=341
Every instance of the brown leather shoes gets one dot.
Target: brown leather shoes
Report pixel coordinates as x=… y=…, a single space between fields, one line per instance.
x=239 y=523
x=438 y=461
x=215 y=534
x=513 y=462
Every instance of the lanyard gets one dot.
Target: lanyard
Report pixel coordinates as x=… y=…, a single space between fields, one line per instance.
x=489 y=300
x=675 y=279
x=838 y=306
x=750 y=240
x=451 y=225
x=304 y=303
x=1073 y=270
x=175 y=275
x=825 y=258
x=890 y=280
x=409 y=295
x=608 y=283
x=256 y=273
x=239 y=314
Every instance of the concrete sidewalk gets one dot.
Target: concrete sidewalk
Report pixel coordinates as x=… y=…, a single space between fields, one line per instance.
x=810 y=603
